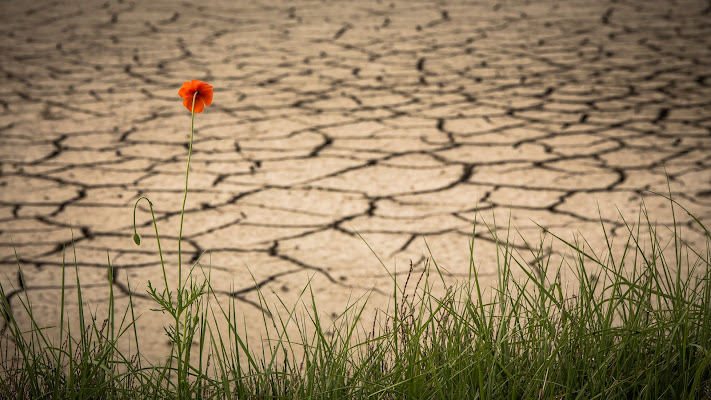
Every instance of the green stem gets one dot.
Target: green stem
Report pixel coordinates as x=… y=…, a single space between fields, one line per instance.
x=155 y=225
x=185 y=197
x=167 y=291
x=179 y=337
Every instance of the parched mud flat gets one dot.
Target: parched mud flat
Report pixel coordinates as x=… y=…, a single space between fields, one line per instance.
x=392 y=119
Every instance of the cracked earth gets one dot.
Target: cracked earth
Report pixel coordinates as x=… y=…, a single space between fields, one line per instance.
x=395 y=120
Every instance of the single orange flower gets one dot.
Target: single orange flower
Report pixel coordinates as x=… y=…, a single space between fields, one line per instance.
x=203 y=98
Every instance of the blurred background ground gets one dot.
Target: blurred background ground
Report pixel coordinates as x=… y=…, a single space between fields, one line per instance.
x=395 y=119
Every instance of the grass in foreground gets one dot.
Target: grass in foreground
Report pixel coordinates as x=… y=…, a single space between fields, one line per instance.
x=634 y=326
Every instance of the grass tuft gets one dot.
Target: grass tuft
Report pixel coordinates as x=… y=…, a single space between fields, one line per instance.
x=631 y=324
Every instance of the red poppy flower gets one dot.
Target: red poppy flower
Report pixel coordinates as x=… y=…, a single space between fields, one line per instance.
x=203 y=98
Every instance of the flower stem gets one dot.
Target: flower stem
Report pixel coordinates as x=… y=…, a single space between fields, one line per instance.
x=185 y=197
x=182 y=380
x=155 y=225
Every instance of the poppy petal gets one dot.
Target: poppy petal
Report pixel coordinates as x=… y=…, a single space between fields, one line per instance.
x=207 y=97
x=185 y=90
x=187 y=102
x=203 y=87
x=199 y=105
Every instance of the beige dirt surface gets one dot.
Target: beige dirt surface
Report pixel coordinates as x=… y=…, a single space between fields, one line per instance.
x=399 y=121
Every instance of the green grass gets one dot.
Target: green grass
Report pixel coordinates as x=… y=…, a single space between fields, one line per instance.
x=637 y=325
